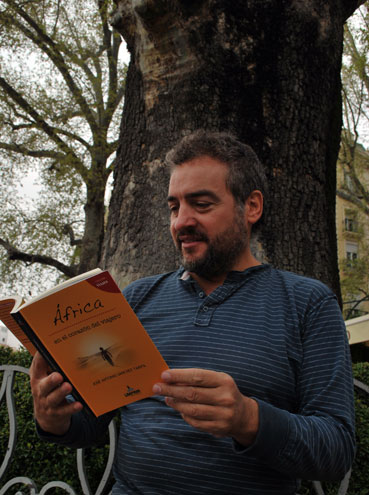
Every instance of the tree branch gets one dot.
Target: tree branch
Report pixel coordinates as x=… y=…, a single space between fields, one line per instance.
x=352 y=198
x=48 y=46
x=29 y=259
x=114 y=95
x=356 y=302
x=43 y=126
x=68 y=230
x=357 y=58
x=80 y=61
x=35 y=153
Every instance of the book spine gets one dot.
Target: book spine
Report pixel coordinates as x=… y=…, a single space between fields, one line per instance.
x=27 y=329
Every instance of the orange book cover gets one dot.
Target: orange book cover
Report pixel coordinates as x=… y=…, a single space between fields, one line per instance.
x=89 y=332
x=6 y=306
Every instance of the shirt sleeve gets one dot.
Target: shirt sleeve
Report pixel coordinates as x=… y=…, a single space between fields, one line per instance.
x=85 y=431
x=316 y=442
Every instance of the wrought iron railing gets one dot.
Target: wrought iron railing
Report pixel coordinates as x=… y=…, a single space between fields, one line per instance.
x=6 y=393
x=26 y=483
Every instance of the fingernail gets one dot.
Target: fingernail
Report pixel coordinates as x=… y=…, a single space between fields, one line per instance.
x=165 y=375
x=156 y=388
x=55 y=378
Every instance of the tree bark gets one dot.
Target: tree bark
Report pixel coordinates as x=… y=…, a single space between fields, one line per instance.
x=267 y=71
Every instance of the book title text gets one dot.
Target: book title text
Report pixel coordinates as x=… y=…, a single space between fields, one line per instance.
x=71 y=312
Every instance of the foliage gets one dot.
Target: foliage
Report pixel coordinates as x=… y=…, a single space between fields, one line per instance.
x=40 y=461
x=359 y=482
x=61 y=93
x=355 y=78
x=355 y=282
x=353 y=163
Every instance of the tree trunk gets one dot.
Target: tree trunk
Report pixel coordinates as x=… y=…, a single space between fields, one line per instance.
x=268 y=71
x=93 y=236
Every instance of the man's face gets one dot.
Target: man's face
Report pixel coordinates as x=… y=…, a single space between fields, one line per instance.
x=207 y=227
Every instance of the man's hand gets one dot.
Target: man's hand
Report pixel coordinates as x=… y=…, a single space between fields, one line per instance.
x=52 y=412
x=210 y=401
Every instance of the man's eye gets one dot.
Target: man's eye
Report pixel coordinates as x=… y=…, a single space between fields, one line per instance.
x=202 y=205
x=173 y=208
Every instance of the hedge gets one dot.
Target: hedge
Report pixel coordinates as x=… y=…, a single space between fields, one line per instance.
x=35 y=459
x=45 y=462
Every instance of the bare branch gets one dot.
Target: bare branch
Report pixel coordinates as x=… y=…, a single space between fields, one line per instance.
x=348 y=196
x=114 y=95
x=16 y=148
x=355 y=303
x=29 y=259
x=44 y=126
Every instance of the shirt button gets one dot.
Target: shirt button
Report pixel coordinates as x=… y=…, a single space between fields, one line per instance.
x=201 y=294
x=205 y=308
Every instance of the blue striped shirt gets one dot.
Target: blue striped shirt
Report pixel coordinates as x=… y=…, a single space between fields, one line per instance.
x=282 y=339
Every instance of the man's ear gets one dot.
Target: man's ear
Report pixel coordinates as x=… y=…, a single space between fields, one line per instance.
x=254 y=207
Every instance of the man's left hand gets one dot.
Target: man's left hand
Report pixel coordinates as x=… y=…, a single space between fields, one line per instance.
x=210 y=401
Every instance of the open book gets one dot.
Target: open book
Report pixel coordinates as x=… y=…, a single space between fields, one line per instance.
x=86 y=330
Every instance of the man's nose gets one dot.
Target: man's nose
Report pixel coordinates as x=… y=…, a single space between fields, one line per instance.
x=185 y=218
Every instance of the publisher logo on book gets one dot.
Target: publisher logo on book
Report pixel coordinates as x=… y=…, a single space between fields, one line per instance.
x=131 y=391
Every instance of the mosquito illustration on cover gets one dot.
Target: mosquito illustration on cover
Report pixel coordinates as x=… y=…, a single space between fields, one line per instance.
x=107 y=355
x=115 y=355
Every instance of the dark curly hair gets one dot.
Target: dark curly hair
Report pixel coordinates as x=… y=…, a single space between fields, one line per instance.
x=246 y=173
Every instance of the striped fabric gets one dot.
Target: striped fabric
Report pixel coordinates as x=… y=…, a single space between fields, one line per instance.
x=282 y=338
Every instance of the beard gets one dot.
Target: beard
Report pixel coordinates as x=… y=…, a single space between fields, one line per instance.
x=223 y=251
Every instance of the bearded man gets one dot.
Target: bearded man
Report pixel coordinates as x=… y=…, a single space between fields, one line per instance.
x=259 y=393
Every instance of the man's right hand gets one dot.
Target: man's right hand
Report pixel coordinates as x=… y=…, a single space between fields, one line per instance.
x=52 y=411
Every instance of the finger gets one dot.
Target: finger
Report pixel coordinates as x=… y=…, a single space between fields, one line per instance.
x=56 y=396
x=195 y=395
x=201 y=412
x=204 y=418
x=193 y=376
x=215 y=429
x=55 y=419
x=39 y=367
x=55 y=402
x=52 y=382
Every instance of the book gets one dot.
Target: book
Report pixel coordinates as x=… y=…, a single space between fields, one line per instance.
x=86 y=330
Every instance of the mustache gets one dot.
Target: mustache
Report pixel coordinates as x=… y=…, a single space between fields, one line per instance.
x=195 y=234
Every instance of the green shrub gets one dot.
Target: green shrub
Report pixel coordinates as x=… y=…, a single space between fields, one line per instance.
x=33 y=458
x=359 y=484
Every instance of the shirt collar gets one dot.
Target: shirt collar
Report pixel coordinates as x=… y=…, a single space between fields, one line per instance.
x=233 y=276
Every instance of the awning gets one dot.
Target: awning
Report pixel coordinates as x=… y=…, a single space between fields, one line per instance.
x=358 y=329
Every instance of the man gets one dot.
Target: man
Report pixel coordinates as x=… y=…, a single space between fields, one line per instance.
x=259 y=391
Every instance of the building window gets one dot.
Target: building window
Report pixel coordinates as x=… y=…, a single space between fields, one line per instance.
x=348 y=181
x=351 y=223
x=351 y=252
